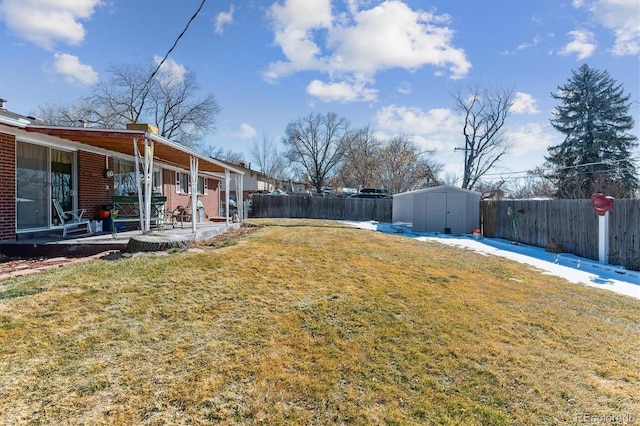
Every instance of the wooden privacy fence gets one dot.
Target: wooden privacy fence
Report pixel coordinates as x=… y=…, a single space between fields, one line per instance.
x=571 y=223
x=335 y=208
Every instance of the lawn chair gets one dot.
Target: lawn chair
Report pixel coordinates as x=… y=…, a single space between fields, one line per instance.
x=71 y=219
x=180 y=214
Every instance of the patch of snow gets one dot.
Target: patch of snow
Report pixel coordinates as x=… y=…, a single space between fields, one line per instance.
x=568 y=266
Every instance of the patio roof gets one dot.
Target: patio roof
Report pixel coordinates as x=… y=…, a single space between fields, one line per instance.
x=121 y=141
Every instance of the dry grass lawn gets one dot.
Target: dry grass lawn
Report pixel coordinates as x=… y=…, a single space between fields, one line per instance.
x=306 y=322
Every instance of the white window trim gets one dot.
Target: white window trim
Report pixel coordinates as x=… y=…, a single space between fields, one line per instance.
x=205 y=183
x=179 y=183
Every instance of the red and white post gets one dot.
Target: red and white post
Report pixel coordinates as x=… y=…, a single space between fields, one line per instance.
x=602 y=205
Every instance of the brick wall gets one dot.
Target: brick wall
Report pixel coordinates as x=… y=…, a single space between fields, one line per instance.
x=7 y=189
x=94 y=190
x=210 y=201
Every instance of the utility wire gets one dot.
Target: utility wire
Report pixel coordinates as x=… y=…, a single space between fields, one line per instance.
x=175 y=43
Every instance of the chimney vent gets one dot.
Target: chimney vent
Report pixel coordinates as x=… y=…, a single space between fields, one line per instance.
x=3 y=104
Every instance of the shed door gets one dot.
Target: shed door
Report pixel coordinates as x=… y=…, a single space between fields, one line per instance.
x=436 y=212
x=457 y=212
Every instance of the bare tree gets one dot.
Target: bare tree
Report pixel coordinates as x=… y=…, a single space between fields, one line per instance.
x=534 y=185
x=170 y=101
x=361 y=161
x=84 y=112
x=485 y=113
x=220 y=153
x=491 y=190
x=316 y=143
x=269 y=159
x=403 y=167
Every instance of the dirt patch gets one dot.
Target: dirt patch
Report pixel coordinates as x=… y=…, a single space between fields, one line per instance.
x=14 y=267
x=229 y=237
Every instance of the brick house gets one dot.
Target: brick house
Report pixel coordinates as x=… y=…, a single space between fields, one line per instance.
x=85 y=168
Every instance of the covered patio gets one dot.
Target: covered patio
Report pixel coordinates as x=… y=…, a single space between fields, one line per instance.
x=141 y=143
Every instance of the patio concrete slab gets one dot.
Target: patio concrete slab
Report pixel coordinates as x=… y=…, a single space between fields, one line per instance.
x=90 y=244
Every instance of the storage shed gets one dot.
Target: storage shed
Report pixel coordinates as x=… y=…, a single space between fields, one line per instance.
x=439 y=209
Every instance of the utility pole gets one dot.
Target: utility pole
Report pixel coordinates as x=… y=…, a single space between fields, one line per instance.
x=465 y=179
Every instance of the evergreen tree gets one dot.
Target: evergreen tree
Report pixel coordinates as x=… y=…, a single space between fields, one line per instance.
x=595 y=155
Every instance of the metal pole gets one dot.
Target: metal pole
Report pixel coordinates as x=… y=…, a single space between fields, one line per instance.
x=194 y=192
x=227 y=177
x=603 y=238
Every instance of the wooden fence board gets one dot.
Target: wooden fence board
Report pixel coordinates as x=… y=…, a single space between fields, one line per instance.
x=334 y=208
x=572 y=223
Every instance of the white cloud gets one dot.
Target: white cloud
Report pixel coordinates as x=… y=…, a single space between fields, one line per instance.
x=74 y=71
x=222 y=19
x=434 y=129
x=524 y=103
x=534 y=42
x=623 y=18
x=246 y=132
x=403 y=38
x=340 y=92
x=523 y=46
x=404 y=88
x=46 y=22
x=294 y=23
x=529 y=144
x=171 y=73
x=582 y=44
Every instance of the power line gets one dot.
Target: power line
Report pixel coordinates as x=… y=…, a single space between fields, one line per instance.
x=175 y=43
x=527 y=173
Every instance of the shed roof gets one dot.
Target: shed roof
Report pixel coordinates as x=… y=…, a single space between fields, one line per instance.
x=121 y=141
x=440 y=188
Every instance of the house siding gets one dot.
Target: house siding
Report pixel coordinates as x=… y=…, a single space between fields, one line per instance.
x=8 y=190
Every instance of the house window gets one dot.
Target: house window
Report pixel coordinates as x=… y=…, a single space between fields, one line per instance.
x=157 y=181
x=124 y=180
x=203 y=185
x=182 y=183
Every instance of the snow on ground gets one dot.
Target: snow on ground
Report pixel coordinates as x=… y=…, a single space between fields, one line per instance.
x=570 y=267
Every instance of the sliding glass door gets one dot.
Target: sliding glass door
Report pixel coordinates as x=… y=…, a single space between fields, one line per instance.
x=62 y=188
x=42 y=173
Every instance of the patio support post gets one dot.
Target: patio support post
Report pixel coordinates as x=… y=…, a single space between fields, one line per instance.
x=240 y=180
x=194 y=192
x=227 y=177
x=144 y=178
x=148 y=182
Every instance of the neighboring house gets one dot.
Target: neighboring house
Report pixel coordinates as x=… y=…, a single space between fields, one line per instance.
x=253 y=182
x=257 y=182
x=84 y=168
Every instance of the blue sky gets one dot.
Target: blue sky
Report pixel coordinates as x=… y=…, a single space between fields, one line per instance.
x=392 y=65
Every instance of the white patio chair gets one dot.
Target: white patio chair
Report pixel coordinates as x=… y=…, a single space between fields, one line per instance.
x=71 y=219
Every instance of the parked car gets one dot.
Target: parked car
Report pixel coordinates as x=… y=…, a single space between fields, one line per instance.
x=372 y=193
